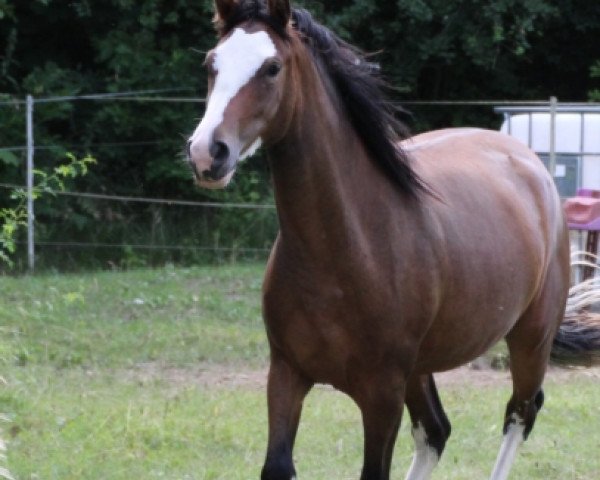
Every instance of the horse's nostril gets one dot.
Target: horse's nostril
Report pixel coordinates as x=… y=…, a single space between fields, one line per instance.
x=219 y=151
x=188 y=149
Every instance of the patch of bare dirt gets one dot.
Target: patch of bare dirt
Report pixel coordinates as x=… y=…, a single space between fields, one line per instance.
x=202 y=375
x=220 y=376
x=487 y=376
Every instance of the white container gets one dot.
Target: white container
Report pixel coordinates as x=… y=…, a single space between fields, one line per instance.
x=577 y=141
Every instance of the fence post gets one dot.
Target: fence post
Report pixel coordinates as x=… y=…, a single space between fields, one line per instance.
x=552 y=159
x=30 y=215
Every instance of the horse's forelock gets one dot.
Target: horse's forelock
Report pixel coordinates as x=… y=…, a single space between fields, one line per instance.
x=249 y=10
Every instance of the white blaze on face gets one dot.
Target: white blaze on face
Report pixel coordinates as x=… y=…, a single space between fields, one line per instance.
x=236 y=61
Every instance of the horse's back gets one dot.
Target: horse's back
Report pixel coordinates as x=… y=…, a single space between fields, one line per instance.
x=468 y=167
x=476 y=154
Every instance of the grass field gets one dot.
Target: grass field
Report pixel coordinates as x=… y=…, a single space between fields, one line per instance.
x=159 y=374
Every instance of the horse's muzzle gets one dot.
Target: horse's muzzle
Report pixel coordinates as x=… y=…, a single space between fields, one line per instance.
x=219 y=172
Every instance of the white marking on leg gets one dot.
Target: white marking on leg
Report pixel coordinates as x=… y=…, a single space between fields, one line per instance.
x=236 y=61
x=508 y=451
x=426 y=457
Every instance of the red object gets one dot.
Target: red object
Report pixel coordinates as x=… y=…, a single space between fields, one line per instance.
x=583 y=213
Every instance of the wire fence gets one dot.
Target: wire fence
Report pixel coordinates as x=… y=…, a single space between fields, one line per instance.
x=119 y=225
x=159 y=201
x=126 y=227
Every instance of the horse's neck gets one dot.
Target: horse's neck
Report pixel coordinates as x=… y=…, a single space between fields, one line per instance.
x=325 y=185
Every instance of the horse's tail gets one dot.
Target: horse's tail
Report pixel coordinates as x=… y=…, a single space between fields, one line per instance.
x=578 y=339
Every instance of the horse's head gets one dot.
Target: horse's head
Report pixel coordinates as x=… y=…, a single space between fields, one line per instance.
x=247 y=77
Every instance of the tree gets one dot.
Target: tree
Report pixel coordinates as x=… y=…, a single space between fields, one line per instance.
x=595 y=73
x=476 y=49
x=430 y=49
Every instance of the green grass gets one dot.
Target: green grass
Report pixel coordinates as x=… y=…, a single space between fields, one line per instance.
x=72 y=349
x=178 y=316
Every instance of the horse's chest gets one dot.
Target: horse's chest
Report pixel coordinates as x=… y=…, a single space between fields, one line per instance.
x=312 y=329
x=328 y=334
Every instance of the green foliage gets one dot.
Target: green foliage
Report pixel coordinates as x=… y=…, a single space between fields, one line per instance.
x=11 y=220
x=595 y=73
x=429 y=49
x=469 y=50
x=14 y=218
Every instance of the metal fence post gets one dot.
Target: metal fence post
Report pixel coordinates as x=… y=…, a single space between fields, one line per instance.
x=552 y=158
x=30 y=214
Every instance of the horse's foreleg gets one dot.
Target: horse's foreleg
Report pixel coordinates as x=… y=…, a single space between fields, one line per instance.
x=381 y=408
x=430 y=426
x=285 y=393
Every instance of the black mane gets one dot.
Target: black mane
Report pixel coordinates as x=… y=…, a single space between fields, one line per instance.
x=360 y=90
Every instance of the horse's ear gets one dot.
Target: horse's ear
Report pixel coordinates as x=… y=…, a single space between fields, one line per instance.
x=280 y=10
x=223 y=9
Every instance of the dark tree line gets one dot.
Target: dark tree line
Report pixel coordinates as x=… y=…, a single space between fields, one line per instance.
x=428 y=49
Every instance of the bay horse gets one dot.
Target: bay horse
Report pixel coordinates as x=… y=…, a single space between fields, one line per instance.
x=393 y=260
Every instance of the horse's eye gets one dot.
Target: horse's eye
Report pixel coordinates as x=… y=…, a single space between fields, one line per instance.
x=273 y=69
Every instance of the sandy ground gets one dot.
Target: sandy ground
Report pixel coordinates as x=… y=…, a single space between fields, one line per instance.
x=220 y=376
